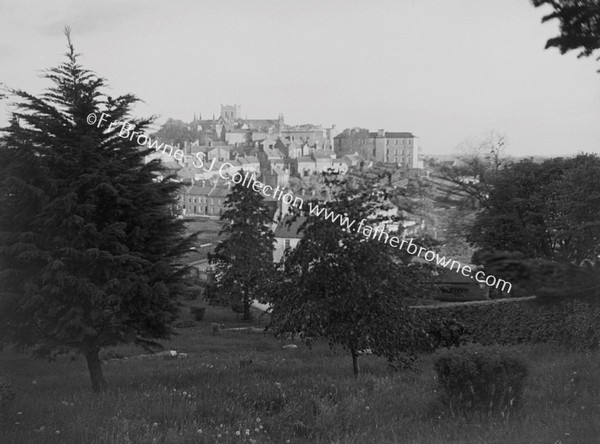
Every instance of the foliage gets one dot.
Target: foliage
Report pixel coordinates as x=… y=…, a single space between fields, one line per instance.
x=244 y=260
x=476 y=378
x=548 y=280
x=547 y=211
x=350 y=288
x=579 y=25
x=89 y=245
x=176 y=132
x=570 y=323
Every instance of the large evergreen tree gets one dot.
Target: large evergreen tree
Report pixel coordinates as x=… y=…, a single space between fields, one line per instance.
x=244 y=260
x=89 y=244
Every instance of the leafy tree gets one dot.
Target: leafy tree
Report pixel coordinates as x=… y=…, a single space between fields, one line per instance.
x=546 y=211
x=244 y=260
x=350 y=288
x=89 y=246
x=579 y=25
x=176 y=132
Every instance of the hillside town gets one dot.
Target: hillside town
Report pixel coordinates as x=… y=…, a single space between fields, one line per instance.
x=278 y=154
x=299 y=222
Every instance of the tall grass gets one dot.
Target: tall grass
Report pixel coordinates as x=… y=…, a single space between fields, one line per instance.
x=243 y=387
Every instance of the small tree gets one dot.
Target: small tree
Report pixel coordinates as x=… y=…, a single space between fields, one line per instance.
x=348 y=287
x=244 y=260
x=89 y=246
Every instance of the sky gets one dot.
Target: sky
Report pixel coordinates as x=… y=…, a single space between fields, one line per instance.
x=448 y=71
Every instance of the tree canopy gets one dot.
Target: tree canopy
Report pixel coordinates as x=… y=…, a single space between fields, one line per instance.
x=579 y=22
x=548 y=211
x=350 y=288
x=244 y=260
x=89 y=243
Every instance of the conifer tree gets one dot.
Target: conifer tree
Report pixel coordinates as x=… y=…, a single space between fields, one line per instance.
x=89 y=243
x=244 y=260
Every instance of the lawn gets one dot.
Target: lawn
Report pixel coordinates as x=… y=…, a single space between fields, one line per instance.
x=243 y=386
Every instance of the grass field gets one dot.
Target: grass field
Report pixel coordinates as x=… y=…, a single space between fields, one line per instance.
x=242 y=386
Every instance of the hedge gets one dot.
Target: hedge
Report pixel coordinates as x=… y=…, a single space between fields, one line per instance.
x=573 y=323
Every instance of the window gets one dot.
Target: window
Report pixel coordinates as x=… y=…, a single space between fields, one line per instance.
x=212 y=201
x=287 y=244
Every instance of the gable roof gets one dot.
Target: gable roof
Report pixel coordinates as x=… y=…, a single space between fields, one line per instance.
x=273 y=152
x=305 y=159
x=323 y=154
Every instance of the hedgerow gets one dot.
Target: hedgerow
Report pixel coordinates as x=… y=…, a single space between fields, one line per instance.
x=574 y=324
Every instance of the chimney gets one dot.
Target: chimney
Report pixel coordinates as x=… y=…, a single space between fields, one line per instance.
x=380 y=133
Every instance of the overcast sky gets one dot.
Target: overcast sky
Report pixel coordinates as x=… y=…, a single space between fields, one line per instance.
x=446 y=70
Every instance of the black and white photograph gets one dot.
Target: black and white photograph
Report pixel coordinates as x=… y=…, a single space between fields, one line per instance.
x=300 y=221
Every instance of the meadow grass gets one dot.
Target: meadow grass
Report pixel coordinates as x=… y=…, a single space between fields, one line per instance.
x=243 y=386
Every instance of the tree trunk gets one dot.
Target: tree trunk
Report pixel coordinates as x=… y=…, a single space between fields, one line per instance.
x=354 y=361
x=247 y=315
x=95 y=369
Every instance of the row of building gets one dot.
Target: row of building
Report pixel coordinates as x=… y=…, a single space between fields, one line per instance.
x=273 y=152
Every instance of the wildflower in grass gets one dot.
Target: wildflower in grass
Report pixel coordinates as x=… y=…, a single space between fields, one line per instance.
x=219 y=435
x=238 y=433
x=155 y=424
x=247 y=432
x=257 y=430
x=257 y=419
x=367 y=408
x=199 y=430
x=260 y=427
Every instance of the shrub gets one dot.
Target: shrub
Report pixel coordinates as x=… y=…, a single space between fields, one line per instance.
x=198 y=312
x=478 y=378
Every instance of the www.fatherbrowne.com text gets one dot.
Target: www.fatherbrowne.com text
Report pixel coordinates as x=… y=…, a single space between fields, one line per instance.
x=248 y=179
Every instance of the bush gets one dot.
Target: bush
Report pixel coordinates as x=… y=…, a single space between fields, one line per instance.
x=198 y=312
x=478 y=378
